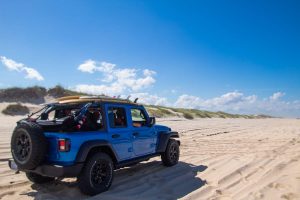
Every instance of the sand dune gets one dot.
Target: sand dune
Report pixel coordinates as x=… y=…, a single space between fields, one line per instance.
x=220 y=159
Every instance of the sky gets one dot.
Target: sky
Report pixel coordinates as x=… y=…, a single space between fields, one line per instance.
x=233 y=56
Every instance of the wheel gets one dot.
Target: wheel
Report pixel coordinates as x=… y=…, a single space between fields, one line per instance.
x=96 y=175
x=171 y=155
x=28 y=145
x=36 y=178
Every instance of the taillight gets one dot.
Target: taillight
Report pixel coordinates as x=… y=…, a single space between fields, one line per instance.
x=64 y=145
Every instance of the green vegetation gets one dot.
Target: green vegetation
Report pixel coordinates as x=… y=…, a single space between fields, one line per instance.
x=37 y=95
x=161 y=111
x=188 y=115
x=59 y=91
x=158 y=111
x=15 y=109
x=34 y=94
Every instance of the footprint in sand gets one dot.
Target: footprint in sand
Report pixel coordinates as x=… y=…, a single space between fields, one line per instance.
x=289 y=196
x=276 y=185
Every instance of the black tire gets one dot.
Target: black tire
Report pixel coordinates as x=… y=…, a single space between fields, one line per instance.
x=97 y=174
x=28 y=145
x=171 y=155
x=39 y=179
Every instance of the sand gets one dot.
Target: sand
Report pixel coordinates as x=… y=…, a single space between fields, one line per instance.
x=220 y=159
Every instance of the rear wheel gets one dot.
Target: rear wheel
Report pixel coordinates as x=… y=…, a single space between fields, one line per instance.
x=36 y=178
x=97 y=174
x=28 y=145
x=171 y=155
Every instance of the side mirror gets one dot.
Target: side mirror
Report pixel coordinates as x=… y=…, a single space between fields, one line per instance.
x=152 y=121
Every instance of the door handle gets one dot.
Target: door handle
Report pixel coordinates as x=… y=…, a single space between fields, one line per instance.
x=135 y=134
x=115 y=136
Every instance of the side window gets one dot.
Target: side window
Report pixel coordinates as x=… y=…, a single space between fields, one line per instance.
x=93 y=119
x=138 y=117
x=117 y=117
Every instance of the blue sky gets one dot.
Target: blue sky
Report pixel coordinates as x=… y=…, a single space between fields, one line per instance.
x=236 y=56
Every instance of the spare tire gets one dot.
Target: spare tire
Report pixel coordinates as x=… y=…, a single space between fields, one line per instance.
x=28 y=145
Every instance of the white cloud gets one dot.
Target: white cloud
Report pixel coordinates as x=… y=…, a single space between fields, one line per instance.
x=88 y=66
x=142 y=83
x=237 y=102
x=30 y=73
x=115 y=80
x=148 y=72
x=92 y=66
x=146 y=98
x=228 y=98
x=112 y=89
x=11 y=64
x=187 y=101
x=277 y=96
x=231 y=100
x=234 y=101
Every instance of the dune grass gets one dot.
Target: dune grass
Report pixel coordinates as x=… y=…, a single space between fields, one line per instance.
x=188 y=115
x=16 y=109
x=34 y=94
x=158 y=111
x=59 y=91
x=161 y=111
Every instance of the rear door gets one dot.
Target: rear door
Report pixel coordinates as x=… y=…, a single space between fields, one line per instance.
x=143 y=136
x=118 y=131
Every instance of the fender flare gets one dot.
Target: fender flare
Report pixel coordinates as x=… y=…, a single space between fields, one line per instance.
x=86 y=147
x=164 y=139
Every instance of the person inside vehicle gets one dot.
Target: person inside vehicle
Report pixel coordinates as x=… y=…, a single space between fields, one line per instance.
x=92 y=122
x=119 y=118
x=97 y=119
x=137 y=124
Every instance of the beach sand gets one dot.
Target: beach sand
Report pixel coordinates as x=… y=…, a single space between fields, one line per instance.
x=220 y=159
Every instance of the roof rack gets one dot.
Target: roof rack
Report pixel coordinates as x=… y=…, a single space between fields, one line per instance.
x=82 y=99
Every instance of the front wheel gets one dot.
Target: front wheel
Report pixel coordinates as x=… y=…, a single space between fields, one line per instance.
x=97 y=174
x=39 y=179
x=171 y=155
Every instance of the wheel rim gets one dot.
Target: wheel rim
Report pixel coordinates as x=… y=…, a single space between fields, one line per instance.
x=174 y=152
x=100 y=173
x=23 y=147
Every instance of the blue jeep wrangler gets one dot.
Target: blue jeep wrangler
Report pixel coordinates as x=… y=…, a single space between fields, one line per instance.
x=88 y=138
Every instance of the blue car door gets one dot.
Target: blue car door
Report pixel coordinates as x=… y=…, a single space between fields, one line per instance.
x=143 y=136
x=119 y=132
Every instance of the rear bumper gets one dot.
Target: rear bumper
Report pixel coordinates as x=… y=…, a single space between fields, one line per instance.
x=51 y=170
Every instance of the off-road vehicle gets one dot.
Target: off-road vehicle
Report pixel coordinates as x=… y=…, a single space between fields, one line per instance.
x=89 y=137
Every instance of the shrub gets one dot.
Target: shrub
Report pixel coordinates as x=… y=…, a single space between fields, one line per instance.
x=31 y=94
x=59 y=91
x=188 y=115
x=16 y=109
x=202 y=115
x=165 y=111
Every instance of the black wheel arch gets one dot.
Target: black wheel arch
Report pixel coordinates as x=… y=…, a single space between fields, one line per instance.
x=163 y=140
x=90 y=147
